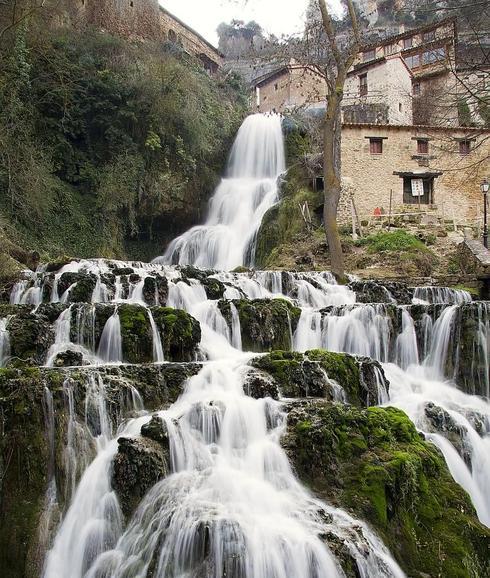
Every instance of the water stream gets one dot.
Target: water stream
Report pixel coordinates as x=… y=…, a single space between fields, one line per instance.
x=231 y=504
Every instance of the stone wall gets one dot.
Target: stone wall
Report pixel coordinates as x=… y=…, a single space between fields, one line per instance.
x=456 y=192
x=141 y=20
x=289 y=88
x=175 y=30
x=389 y=84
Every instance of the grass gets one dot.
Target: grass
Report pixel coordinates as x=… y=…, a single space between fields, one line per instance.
x=399 y=241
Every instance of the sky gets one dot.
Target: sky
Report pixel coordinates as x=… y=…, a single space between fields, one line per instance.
x=275 y=16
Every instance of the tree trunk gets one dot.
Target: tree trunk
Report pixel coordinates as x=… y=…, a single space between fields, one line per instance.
x=331 y=171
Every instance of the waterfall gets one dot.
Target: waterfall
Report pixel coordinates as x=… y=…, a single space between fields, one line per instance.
x=239 y=203
x=110 y=345
x=441 y=295
x=4 y=341
x=158 y=356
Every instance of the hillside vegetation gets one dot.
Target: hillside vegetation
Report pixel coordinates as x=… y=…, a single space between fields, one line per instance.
x=107 y=147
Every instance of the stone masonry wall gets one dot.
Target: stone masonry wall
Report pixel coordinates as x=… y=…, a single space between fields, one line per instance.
x=292 y=87
x=370 y=176
x=140 y=20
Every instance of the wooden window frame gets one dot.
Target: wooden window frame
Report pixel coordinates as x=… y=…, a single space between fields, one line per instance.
x=422 y=146
x=376 y=145
x=363 y=84
x=464 y=147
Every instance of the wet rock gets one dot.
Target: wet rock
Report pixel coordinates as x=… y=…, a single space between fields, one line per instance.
x=138 y=465
x=68 y=359
x=122 y=271
x=385 y=292
x=374 y=463
x=156 y=430
x=258 y=385
x=265 y=323
x=155 y=290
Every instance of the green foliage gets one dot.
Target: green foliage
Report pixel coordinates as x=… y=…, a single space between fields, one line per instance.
x=392 y=241
x=103 y=141
x=374 y=462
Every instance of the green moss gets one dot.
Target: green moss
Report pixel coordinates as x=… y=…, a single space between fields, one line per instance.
x=265 y=323
x=374 y=463
x=392 y=241
x=137 y=339
x=181 y=333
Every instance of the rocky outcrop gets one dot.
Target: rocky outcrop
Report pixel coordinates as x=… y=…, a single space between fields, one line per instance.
x=374 y=463
x=28 y=456
x=139 y=464
x=265 y=323
x=323 y=374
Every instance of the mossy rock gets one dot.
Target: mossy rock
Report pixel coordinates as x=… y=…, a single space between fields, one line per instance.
x=136 y=333
x=31 y=335
x=265 y=324
x=181 y=333
x=311 y=374
x=83 y=288
x=374 y=463
x=23 y=470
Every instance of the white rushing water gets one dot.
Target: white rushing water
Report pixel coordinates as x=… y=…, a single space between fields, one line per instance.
x=231 y=504
x=250 y=188
x=4 y=341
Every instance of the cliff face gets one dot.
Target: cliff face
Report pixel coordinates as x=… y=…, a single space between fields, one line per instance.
x=108 y=146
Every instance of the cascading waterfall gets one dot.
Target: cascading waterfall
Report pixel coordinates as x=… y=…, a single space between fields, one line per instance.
x=4 y=341
x=231 y=504
x=110 y=346
x=250 y=188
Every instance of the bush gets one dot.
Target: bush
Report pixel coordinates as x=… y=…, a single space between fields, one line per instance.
x=399 y=241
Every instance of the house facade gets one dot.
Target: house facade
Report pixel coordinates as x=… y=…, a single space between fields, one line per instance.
x=289 y=87
x=432 y=169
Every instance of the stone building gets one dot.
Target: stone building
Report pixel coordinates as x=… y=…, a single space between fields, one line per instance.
x=142 y=20
x=379 y=92
x=288 y=87
x=434 y=169
x=429 y=57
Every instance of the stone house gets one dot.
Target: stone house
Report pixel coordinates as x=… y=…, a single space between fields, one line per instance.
x=289 y=87
x=141 y=20
x=432 y=169
x=379 y=92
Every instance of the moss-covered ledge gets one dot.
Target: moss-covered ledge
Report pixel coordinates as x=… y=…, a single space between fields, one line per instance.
x=310 y=374
x=265 y=324
x=374 y=463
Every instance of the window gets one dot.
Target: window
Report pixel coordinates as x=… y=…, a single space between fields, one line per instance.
x=363 y=85
x=376 y=146
x=413 y=61
x=131 y=4
x=389 y=49
x=276 y=86
x=416 y=88
x=422 y=146
x=464 y=147
x=172 y=36
x=400 y=107
x=408 y=42
x=434 y=55
x=420 y=192
x=369 y=55
x=429 y=36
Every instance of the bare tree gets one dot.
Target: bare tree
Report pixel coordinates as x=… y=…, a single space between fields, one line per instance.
x=335 y=74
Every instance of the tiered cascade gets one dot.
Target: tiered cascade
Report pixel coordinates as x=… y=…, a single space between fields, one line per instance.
x=164 y=425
